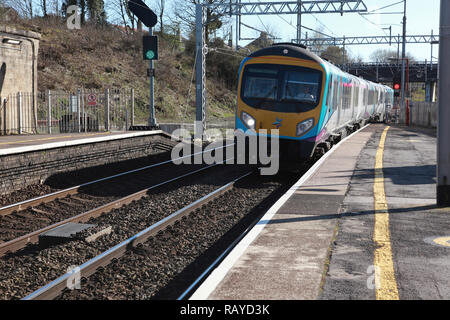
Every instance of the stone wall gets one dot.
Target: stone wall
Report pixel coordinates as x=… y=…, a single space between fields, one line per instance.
x=18 y=74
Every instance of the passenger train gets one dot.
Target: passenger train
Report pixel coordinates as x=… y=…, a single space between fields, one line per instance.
x=310 y=101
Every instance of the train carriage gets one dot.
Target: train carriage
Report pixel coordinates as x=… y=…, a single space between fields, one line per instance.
x=309 y=100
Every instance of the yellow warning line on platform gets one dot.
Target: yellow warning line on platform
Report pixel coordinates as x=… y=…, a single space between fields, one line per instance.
x=386 y=282
x=54 y=138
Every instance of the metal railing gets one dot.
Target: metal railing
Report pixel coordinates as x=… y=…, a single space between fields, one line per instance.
x=61 y=112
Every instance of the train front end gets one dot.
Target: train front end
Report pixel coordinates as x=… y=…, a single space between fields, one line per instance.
x=282 y=88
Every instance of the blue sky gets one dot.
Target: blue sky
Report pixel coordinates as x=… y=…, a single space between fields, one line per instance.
x=422 y=15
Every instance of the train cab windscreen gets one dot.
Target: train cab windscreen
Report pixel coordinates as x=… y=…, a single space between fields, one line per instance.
x=281 y=88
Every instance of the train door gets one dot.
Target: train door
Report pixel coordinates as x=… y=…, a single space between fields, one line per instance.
x=366 y=101
x=329 y=101
x=352 y=99
x=360 y=114
x=339 y=100
x=334 y=103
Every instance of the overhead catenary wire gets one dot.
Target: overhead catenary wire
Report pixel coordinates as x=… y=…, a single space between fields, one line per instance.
x=388 y=6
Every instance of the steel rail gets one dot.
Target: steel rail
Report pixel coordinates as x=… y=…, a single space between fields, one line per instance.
x=74 y=190
x=54 y=288
x=219 y=259
x=33 y=237
x=208 y=270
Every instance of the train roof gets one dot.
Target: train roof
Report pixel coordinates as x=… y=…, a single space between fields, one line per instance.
x=288 y=50
x=301 y=52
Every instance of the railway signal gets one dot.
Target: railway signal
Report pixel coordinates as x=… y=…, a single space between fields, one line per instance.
x=143 y=13
x=150 y=47
x=397 y=86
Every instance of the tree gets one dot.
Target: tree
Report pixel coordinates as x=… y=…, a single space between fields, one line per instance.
x=389 y=56
x=44 y=7
x=316 y=46
x=126 y=17
x=336 y=55
x=184 y=12
x=23 y=7
x=162 y=7
x=262 y=42
x=96 y=9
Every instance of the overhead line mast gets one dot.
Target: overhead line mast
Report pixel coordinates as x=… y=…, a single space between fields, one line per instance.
x=443 y=148
x=403 y=108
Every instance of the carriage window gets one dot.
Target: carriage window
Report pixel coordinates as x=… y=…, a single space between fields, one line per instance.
x=281 y=88
x=335 y=93
x=302 y=86
x=261 y=83
x=262 y=88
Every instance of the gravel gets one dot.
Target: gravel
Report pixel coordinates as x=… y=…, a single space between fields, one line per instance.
x=27 y=270
x=165 y=265
x=27 y=193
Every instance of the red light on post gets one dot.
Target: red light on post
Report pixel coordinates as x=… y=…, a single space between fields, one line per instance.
x=396 y=86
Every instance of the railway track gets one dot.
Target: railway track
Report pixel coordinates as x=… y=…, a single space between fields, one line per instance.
x=34 y=267
x=185 y=241
x=56 y=287
x=31 y=266
x=22 y=223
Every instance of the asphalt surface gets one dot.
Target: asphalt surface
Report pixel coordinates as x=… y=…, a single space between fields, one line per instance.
x=419 y=231
x=283 y=257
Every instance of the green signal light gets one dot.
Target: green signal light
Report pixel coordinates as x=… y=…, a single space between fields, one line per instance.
x=150 y=54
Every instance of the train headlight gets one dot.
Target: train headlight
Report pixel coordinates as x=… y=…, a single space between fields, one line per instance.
x=304 y=127
x=249 y=121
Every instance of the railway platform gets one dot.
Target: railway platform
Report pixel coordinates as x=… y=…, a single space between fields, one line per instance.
x=13 y=144
x=361 y=224
x=27 y=160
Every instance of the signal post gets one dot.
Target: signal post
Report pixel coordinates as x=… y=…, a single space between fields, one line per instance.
x=150 y=48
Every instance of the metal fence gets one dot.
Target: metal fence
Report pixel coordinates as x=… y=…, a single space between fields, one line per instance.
x=62 y=112
x=424 y=114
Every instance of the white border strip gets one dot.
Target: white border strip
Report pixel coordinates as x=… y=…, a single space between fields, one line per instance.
x=216 y=277
x=70 y=143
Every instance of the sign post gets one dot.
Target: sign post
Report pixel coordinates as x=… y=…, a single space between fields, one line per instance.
x=149 y=19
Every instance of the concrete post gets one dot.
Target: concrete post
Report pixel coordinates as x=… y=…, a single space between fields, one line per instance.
x=79 y=110
x=4 y=101
x=19 y=112
x=132 y=107
x=49 y=111
x=443 y=148
x=85 y=117
x=107 y=110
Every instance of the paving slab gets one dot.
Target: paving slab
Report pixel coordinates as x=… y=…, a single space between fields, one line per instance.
x=421 y=268
x=287 y=259
x=13 y=144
